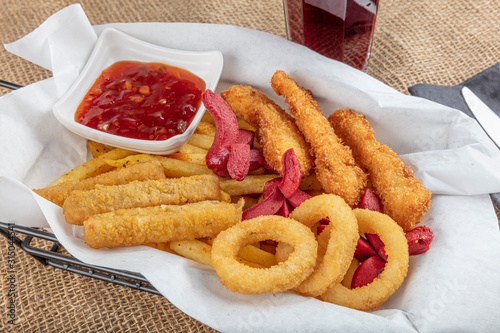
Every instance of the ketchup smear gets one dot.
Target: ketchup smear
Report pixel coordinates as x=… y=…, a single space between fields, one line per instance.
x=148 y=101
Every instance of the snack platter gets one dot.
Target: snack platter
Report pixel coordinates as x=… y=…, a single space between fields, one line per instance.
x=400 y=121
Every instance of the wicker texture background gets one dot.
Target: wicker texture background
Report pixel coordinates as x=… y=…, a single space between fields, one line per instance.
x=427 y=41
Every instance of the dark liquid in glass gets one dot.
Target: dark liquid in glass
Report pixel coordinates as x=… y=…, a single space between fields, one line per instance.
x=345 y=39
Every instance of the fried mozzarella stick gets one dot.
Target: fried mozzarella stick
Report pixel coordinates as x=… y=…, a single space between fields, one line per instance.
x=140 y=171
x=403 y=196
x=335 y=166
x=172 y=191
x=276 y=129
x=166 y=223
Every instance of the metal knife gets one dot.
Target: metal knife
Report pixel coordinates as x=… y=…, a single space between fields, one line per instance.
x=485 y=116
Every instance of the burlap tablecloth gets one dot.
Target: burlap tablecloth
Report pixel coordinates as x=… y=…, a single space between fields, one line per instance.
x=426 y=41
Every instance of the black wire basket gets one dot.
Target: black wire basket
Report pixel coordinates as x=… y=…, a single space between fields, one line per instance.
x=26 y=237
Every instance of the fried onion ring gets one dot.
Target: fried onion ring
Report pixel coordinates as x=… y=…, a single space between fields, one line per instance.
x=241 y=278
x=373 y=295
x=340 y=239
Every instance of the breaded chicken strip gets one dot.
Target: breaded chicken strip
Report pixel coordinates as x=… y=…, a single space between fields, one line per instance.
x=172 y=191
x=140 y=171
x=403 y=196
x=335 y=166
x=276 y=129
x=158 y=224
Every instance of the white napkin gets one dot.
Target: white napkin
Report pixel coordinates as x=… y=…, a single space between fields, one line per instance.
x=453 y=287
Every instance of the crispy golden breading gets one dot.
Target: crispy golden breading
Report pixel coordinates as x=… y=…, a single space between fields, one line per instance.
x=337 y=243
x=140 y=171
x=166 y=223
x=374 y=294
x=173 y=191
x=241 y=99
x=403 y=196
x=242 y=278
x=335 y=166
x=276 y=132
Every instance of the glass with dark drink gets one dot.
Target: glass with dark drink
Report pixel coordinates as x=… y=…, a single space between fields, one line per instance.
x=338 y=29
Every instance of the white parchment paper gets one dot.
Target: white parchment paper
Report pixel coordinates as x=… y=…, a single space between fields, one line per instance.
x=453 y=287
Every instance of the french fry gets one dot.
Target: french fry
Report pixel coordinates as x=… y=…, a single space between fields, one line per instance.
x=258 y=171
x=255 y=255
x=244 y=125
x=225 y=197
x=201 y=253
x=205 y=128
x=97 y=148
x=252 y=184
x=249 y=200
x=94 y=167
x=164 y=246
x=173 y=168
x=193 y=249
x=207 y=118
x=191 y=158
x=204 y=141
x=190 y=149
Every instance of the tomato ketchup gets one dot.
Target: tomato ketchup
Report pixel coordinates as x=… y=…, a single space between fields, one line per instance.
x=148 y=101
